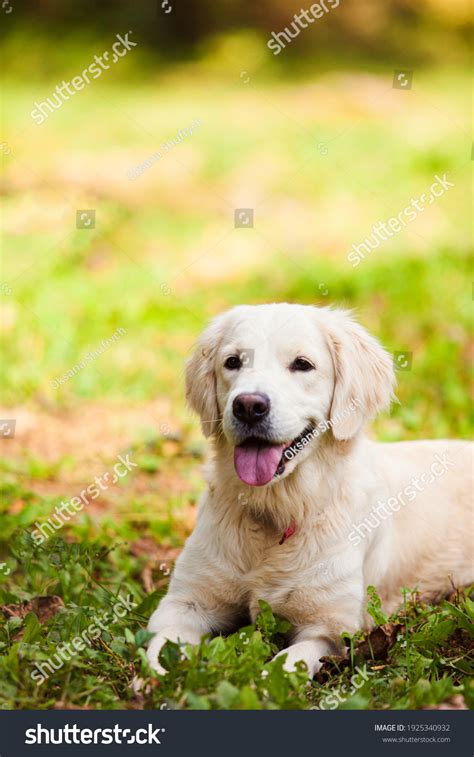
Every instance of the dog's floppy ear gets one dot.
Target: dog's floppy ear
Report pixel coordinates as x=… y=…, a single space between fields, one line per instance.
x=201 y=390
x=364 y=375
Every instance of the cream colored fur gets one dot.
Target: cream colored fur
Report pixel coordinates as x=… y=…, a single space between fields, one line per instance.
x=318 y=577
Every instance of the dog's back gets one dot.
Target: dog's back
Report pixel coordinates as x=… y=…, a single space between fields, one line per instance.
x=432 y=537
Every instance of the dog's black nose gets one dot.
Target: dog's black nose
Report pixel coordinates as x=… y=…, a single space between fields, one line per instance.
x=251 y=408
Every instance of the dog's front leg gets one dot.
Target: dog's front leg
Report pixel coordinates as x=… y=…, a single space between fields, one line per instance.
x=322 y=637
x=197 y=602
x=180 y=619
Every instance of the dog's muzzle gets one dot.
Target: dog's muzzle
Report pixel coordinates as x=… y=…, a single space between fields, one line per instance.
x=257 y=461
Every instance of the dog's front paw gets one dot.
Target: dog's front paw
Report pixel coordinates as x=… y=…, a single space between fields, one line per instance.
x=301 y=651
x=152 y=654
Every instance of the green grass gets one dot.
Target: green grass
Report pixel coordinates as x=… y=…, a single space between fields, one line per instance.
x=420 y=305
x=164 y=258
x=427 y=662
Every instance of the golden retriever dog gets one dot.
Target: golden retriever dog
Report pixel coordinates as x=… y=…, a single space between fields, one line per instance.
x=301 y=508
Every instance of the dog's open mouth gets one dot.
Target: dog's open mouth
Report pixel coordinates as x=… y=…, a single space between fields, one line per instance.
x=257 y=460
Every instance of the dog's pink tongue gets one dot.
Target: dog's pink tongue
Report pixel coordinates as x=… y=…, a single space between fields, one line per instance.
x=256 y=465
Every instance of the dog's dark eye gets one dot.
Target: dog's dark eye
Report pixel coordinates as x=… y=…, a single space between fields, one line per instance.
x=233 y=363
x=301 y=364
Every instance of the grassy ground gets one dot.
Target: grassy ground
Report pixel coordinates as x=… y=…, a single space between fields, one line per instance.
x=320 y=158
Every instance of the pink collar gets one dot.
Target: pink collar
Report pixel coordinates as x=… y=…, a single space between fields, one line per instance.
x=289 y=532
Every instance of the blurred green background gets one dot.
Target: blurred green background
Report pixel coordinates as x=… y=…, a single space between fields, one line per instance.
x=315 y=140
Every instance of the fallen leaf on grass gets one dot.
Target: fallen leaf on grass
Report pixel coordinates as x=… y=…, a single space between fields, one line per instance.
x=332 y=665
x=379 y=642
x=375 y=646
x=43 y=607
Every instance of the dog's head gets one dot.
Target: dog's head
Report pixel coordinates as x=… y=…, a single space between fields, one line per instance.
x=271 y=379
